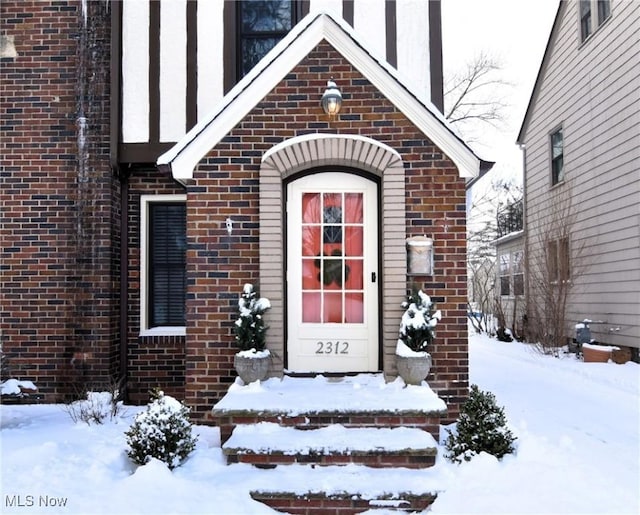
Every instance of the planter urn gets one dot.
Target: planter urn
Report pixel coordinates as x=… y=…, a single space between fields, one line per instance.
x=413 y=369
x=252 y=367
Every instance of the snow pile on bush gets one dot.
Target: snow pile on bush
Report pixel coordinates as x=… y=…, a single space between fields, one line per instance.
x=163 y=432
x=15 y=387
x=250 y=329
x=417 y=327
x=481 y=427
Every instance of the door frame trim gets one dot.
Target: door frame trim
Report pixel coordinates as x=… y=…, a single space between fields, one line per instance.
x=378 y=183
x=338 y=150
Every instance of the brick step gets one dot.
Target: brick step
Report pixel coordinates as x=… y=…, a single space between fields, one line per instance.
x=268 y=444
x=344 y=504
x=426 y=421
x=346 y=490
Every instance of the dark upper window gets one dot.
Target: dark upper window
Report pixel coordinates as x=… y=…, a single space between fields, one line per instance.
x=593 y=13
x=557 y=157
x=604 y=10
x=167 y=264
x=585 y=19
x=261 y=24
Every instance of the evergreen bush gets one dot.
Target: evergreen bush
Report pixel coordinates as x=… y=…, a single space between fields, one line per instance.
x=163 y=432
x=481 y=427
x=250 y=329
x=417 y=327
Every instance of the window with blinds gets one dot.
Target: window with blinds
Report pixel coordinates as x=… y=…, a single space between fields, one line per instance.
x=167 y=264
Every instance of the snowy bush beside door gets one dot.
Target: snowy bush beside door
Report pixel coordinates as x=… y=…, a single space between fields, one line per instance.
x=163 y=432
x=417 y=326
x=250 y=329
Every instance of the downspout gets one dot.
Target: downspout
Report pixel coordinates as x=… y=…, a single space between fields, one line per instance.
x=124 y=281
x=435 y=54
x=123 y=175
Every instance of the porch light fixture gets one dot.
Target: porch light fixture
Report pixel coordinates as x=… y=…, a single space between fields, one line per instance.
x=331 y=99
x=420 y=255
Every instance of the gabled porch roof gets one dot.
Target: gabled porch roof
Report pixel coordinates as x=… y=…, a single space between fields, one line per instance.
x=185 y=155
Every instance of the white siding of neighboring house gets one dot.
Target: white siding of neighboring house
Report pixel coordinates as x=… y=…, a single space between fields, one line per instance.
x=592 y=89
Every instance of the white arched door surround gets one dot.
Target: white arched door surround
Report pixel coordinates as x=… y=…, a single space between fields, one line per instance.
x=343 y=151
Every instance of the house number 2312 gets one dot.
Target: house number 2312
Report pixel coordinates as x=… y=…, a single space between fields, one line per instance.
x=332 y=348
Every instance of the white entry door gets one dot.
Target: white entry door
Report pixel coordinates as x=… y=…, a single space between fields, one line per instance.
x=332 y=273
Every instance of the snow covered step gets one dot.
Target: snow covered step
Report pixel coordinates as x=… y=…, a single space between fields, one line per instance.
x=268 y=444
x=343 y=504
x=365 y=400
x=426 y=420
x=346 y=490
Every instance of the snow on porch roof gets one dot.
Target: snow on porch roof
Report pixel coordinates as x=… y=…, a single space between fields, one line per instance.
x=183 y=157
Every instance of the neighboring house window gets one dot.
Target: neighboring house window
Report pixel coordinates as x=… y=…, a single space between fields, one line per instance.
x=518 y=272
x=512 y=273
x=557 y=157
x=604 y=10
x=590 y=23
x=505 y=272
x=261 y=25
x=163 y=264
x=585 y=19
x=558 y=260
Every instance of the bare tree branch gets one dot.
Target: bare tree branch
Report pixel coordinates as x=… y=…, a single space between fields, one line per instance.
x=556 y=262
x=476 y=93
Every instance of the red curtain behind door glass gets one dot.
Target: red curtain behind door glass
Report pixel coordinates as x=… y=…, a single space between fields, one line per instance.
x=332 y=285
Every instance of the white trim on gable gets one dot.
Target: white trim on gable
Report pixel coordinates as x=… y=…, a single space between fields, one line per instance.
x=183 y=157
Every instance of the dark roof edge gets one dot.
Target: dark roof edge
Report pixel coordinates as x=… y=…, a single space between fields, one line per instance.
x=485 y=167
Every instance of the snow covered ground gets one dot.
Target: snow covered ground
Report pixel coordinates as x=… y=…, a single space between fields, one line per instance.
x=578 y=451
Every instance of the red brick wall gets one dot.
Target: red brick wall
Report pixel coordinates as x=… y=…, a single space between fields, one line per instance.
x=152 y=361
x=58 y=266
x=226 y=184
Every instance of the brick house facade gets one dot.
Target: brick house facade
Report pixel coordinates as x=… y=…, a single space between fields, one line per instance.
x=73 y=232
x=60 y=198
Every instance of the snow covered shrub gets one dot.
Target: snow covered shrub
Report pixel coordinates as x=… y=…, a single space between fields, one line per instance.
x=95 y=409
x=250 y=330
x=481 y=427
x=163 y=432
x=418 y=322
